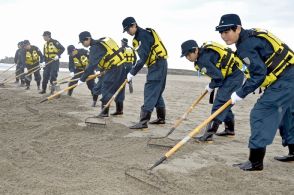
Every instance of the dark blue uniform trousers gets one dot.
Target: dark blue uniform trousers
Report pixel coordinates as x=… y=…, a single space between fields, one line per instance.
x=112 y=80
x=273 y=110
x=19 y=70
x=50 y=72
x=230 y=84
x=97 y=87
x=128 y=67
x=37 y=76
x=155 y=85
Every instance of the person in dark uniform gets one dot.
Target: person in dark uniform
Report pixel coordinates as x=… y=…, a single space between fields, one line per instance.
x=109 y=58
x=19 y=67
x=223 y=67
x=33 y=58
x=131 y=59
x=52 y=52
x=78 y=61
x=270 y=64
x=152 y=53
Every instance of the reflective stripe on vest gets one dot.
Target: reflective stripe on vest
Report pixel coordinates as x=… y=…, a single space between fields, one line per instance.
x=114 y=55
x=50 y=51
x=226 y=60
x=157 y=50
x=282 y=56
x=129 y=54
x=32 y=57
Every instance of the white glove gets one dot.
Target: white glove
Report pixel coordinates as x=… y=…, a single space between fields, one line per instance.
x=56 y=58
x=97 y=72
x=207 y=88
x=235 y=98
x=129 y=77
x=80 y=82
x=25 y=70
x=42 y=65
x=72 y=74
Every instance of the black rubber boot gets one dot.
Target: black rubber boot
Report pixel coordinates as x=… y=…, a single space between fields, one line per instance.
x=69 y=92
x=119 y=109
x=105 y=112
x=38 y=85
x=207 y=136
x=160 y=117
x=144 y=118
x=289 y=157
x=255 y=162
x=52 y=89
x=43 y=89
x=95 y=98
x=229 y=129
x=27 y=88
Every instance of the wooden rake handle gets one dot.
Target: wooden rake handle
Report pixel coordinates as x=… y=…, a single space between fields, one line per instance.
x=90 y=77
x=114 y=95
x=191 y=134
x=198 y=129
x=189 y=110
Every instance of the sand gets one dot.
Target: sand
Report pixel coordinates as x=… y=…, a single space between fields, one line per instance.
x=47 y=149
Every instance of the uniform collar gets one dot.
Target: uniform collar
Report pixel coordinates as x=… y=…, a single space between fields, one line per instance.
x=243 y=35
x=139 y=29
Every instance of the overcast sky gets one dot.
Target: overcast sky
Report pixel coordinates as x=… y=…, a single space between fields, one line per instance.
x=174 y=20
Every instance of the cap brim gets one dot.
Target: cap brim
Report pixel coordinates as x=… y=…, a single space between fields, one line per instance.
x=184 y=54
x=126 y=29
x=223 y=27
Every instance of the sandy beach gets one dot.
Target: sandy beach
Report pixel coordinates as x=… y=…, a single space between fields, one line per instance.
x=47 y=148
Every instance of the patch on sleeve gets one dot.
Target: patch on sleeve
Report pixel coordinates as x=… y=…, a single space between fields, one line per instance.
x=246 y=61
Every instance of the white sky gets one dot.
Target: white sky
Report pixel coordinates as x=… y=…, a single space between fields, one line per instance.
x=175 y=21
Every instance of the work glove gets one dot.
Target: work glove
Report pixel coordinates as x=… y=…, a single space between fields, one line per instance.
x=42 y=65
x=235 y=98
x=56 y=58
x=207 y=88
x=80 y=82
x=25 y=70
x=72 y=74
x=129 y=77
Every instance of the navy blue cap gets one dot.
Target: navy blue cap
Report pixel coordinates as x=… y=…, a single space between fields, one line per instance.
x=70 y=49
x=125 y=40
x=228 y=21
x=47 y=33
x=188 y=46
x=84 y=35
x=127 y=23
x=20 y=43
x=26 y=42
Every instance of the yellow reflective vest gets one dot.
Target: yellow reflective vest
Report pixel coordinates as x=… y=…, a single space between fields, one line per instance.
x=227 y=58
x=130 y=55
x=157 y=51
x=50 y=50
x=281 y=58
x=32 y=57
x=80 y=61
x=114 y=55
